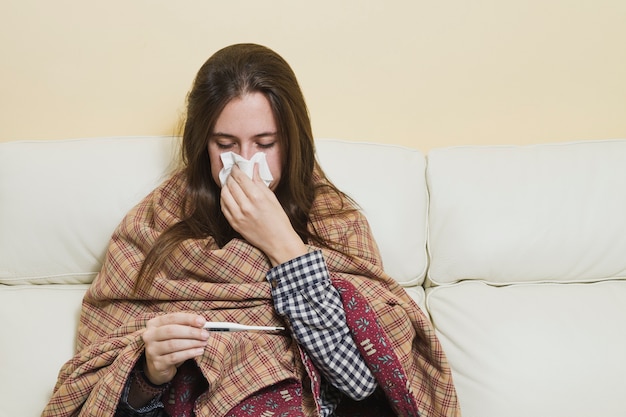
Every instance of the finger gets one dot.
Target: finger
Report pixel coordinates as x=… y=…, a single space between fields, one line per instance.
x=175 y=326
x=256 y=175
x=240 y=195
x=233 y=189
x=175 y=337
x=250 y=187
x=180 y=318
x=161 y=367
x=227 y=201
x=171 y=332
x=237 y=175
x=171 y=339
x=171 y=351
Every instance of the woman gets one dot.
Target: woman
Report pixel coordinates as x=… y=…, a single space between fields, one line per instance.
x=289 y=250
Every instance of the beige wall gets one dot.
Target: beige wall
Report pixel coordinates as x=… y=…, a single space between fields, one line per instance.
x=416 y=73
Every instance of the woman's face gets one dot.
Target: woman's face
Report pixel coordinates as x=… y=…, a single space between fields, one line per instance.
x=246 y=126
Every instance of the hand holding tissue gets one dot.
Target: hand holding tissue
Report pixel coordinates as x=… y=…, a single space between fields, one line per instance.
x=247 y=166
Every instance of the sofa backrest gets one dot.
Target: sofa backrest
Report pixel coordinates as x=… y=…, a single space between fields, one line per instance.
x=61 y=201
x=387 y=182
x=544 y=213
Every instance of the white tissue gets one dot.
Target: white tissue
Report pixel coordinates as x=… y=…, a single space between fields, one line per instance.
x=247 y=166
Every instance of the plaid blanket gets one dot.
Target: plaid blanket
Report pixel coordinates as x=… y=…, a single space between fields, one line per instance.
x=229 y=284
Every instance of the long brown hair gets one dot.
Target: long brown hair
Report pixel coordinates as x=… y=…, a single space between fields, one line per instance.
x=231 y=73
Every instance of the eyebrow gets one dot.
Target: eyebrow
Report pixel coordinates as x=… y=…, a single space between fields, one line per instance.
x=229 y=136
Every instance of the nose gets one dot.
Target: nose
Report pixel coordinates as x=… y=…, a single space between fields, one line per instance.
x=246 y=151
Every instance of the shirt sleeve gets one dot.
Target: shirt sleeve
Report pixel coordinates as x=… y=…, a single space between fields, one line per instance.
x=153 y=409
x=303 y=294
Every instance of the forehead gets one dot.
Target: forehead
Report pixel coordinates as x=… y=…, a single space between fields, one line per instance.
x=249 y=114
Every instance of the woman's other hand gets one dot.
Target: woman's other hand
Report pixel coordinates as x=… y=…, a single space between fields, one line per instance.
x=169 y=341
x=253 y=210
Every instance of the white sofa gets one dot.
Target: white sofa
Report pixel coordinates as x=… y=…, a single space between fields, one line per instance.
x=518 y=255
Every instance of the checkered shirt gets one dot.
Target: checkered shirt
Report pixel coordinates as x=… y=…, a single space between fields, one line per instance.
x=303 y=293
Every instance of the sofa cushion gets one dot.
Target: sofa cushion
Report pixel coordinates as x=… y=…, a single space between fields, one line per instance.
x=61 y=201
x=38 y=325
x=387 y=181
x=534 y=349
x=506 y=214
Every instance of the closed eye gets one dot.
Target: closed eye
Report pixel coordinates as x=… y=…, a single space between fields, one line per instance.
x=266 y=145
x=225 y=146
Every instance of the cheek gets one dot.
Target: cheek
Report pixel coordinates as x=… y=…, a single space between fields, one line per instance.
x=273 y=161
x=216 y=167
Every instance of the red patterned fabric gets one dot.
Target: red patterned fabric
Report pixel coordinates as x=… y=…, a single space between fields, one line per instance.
x=283 y=399
x=229 y=284
x=187 y=385
x=377 y=350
